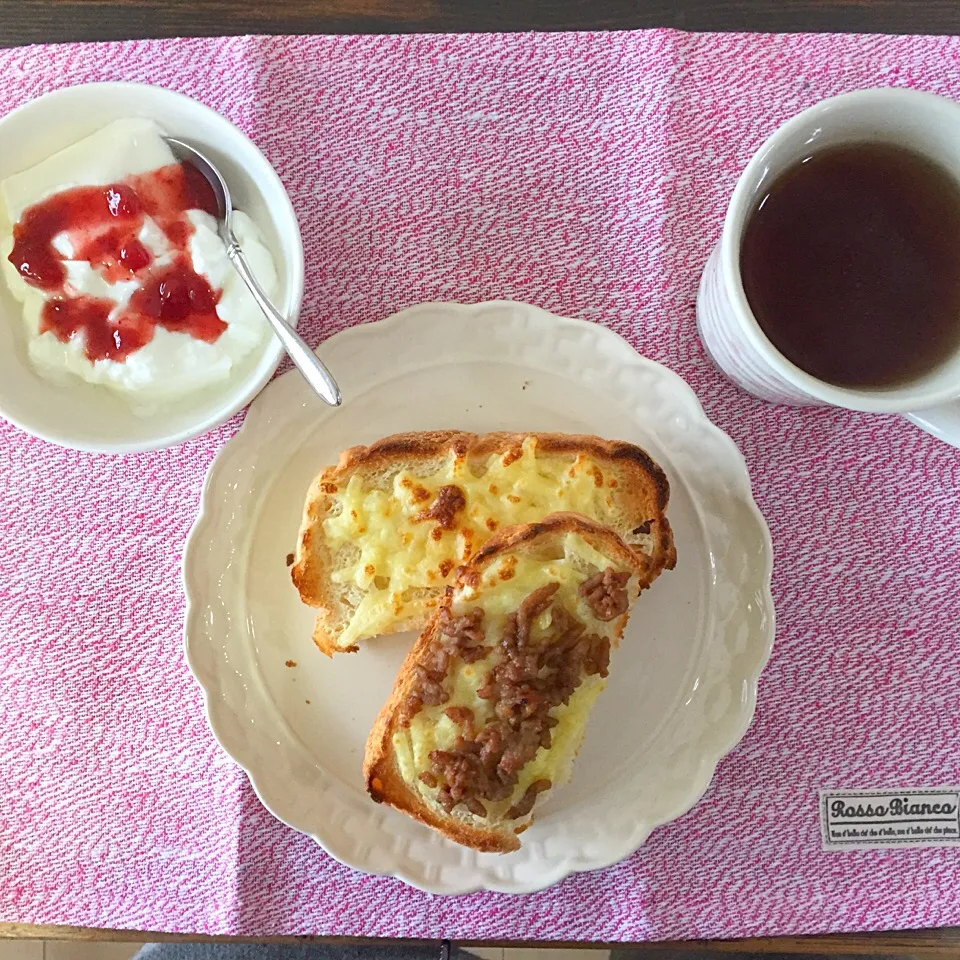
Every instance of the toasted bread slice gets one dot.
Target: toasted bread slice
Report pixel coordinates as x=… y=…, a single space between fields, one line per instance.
x=490 y=705
x=383 y=531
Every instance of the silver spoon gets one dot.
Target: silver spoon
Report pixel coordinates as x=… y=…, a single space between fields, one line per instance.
x=307 y=362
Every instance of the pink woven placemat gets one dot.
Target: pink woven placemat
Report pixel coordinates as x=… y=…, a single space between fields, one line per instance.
x=586 y=174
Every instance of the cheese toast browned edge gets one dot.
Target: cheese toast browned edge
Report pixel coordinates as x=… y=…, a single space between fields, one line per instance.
x=383 y=779
x=308 y=572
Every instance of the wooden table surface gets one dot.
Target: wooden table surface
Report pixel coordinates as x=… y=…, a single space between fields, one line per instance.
x=45 y=21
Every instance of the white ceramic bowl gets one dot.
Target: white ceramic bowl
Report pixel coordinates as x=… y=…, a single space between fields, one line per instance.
x=87 y=417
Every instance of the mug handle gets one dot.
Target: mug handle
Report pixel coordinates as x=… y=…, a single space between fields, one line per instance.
x=943 y=422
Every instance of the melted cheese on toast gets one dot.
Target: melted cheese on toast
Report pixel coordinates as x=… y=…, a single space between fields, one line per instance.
x=386 y=546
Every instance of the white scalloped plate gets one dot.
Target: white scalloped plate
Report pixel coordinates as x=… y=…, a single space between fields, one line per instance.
x=683 y=684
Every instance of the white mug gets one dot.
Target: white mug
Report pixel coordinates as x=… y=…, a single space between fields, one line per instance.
x=925 y=123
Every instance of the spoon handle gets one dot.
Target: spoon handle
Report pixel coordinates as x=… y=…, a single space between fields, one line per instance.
x=307 y=362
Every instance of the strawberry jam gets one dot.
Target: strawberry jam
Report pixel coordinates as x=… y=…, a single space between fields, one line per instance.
x=103 y=227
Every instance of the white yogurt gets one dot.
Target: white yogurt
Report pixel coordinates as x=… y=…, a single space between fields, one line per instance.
x=172 y=363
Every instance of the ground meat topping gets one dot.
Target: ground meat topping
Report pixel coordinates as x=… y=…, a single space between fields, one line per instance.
x=464 y=635
x=532 y=607
x=528 y=681
x=431 y=692
x=525 y=804
x=462 y=717
x=597 y=658
x=456 y=637
x=450 y=501
x=605 y=594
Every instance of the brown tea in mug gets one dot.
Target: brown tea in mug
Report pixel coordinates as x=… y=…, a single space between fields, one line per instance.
x=851 y=264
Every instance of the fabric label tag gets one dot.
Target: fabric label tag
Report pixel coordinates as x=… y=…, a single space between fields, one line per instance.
x=867 y=819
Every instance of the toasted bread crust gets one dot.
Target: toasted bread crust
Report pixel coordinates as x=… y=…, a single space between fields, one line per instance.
x=647 y=494
x=383 y=779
